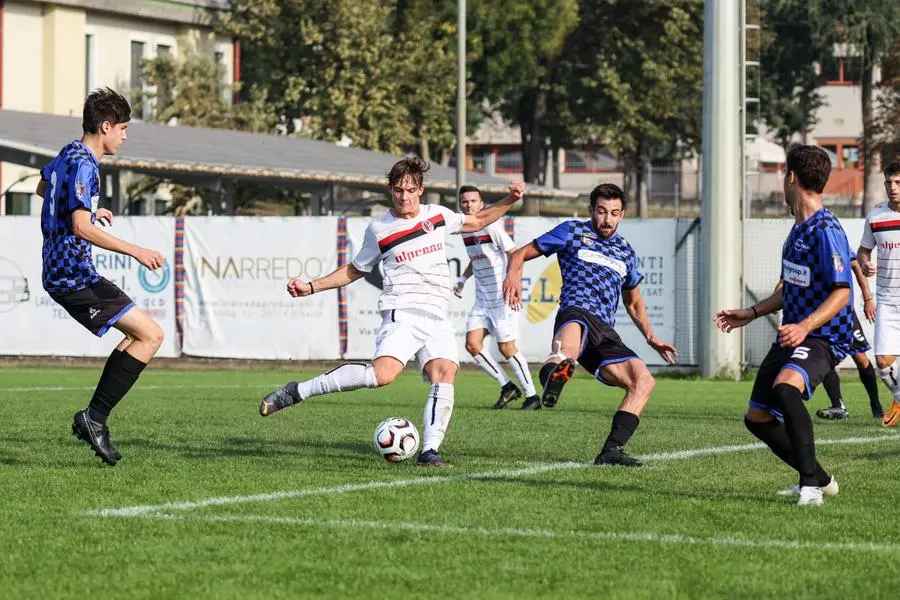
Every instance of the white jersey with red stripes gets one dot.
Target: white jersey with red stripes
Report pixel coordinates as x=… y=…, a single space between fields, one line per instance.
x=413 y=253
x=882 y=234
x=487 y=250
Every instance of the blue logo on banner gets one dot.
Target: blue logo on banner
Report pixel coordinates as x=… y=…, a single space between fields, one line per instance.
x=154 y=281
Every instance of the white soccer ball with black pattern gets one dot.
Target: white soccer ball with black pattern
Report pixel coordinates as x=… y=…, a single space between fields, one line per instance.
x=396 y=439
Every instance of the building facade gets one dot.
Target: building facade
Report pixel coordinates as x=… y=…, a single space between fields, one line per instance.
x=53 y=52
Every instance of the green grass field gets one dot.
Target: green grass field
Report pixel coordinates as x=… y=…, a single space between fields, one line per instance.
x=300 y=505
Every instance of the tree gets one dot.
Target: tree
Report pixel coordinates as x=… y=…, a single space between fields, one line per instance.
x=634 y=74
x=517 y=47
x=887 y=108
x=790 y=91
x=189 y=91
x=867 y=29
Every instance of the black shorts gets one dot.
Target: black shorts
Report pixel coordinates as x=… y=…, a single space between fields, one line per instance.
x=97 y=307
x=600 y=344
x=813 y=359
x=859 y=344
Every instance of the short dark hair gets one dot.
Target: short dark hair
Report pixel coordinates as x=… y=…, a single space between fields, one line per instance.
x=893 y=168
x=104 y=104
x=411 y=166
x=468 y=188
x=607 y=191
x=811 y=165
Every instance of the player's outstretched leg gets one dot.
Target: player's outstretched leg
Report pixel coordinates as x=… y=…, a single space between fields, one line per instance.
x=347 y=377
x=554 y=376
x=632 y=376
x=837 y=410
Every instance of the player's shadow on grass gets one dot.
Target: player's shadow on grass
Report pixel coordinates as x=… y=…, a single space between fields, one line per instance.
x=555 y=485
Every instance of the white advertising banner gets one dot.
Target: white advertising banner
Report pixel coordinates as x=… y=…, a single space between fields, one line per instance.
x=236 y=303
x=653 y=240
x=31 y=323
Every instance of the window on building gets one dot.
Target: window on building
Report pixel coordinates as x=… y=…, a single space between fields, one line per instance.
x=590 y=161
x=509 y=160
x=219 y=59
x=841 y=70
x=163 y=92
x=843 y=154
x=138 y=105
x=850 y=157
x=480 y=158
x=18 y=203
x=89 y=54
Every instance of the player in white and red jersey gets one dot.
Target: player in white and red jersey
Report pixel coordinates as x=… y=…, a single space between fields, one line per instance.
x=882 y=232
x=488 y=251
x=410 y=242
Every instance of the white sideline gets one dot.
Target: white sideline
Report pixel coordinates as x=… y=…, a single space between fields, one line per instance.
x=147 y=509
x=547 y=534
x=244 y=386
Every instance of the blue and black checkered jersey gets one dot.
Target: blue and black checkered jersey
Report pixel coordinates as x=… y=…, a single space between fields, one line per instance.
x=594 y=270
x=814 y=261
x=73 y=183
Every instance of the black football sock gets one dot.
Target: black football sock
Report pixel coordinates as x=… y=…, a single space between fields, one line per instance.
x=774 y=435
x=623 y=426
x=870 y=381
x=120 y=373
x=799 y=430
x=832 y=385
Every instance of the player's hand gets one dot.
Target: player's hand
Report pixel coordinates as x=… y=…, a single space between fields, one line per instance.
x=869 y=310
x=868 y=268
x=791 y=336
x=667 y=351
x=517 y=190
x=297 y=287
x=458 y=288
x=727 y=320
x=150 y=258
x=512 y=292
x=104 y=216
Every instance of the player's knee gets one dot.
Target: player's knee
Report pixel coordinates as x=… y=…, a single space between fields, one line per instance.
x=473 y=347
x=884 y=362
x=444 y=373
x=155 y=336
x=384 y=376
x=507 y=349
x=642 y=382
x=861 y=360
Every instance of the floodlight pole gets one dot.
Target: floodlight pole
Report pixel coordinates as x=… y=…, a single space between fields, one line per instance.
x=722 y=242
x=460 y=93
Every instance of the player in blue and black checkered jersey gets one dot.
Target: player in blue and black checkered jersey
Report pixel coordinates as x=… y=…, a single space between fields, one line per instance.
x=70 y=187
x=598 y=266
x=816 y=330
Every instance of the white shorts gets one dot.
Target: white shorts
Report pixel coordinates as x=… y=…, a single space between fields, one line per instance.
x=887 y=330
x=502 y=322
x=405 y=333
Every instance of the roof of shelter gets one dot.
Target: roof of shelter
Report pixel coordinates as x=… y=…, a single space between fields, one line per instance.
x=191 y=152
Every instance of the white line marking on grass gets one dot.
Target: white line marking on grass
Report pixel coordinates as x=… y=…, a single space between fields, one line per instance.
x=547 y=534
x=147 y=509
x=245 y=386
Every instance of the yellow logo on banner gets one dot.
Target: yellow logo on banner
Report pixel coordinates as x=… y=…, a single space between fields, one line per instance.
x=545 y=294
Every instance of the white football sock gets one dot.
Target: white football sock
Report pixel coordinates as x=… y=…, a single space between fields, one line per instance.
x=350 y=376
x=520 y=368
x=491 y=367
x=438 y=409
x=891 y=378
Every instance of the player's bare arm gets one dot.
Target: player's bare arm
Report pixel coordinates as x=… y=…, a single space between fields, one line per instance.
x=488 y=215
x=343 y=275
x=864 y=258
x=728 y=320
x=41 y=188
x=512 y=285
x=637 y=310
x=84 y=229
x=868 y=300
x=792 y=335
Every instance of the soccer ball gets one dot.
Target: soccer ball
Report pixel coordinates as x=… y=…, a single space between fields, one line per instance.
x=396 y=439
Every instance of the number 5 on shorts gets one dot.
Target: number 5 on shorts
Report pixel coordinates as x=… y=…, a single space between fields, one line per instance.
x=800 y=353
